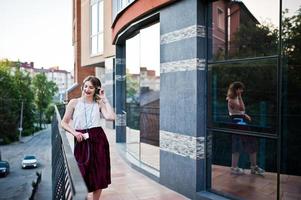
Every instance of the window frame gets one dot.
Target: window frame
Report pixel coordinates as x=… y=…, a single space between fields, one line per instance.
x=210 y=129
x=96 y=48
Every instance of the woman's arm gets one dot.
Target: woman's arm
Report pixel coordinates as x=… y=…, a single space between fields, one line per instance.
x=66 y=120
x=106 y=109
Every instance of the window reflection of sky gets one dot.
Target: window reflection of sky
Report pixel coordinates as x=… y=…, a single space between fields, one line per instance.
x=268 y=11
x=264 y=11
x=143 y=50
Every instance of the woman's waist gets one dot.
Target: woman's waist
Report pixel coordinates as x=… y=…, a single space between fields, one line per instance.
x=90 y=129
x=231 y=113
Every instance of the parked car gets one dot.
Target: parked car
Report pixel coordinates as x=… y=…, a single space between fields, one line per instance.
x=29 y=161
x=4 y=168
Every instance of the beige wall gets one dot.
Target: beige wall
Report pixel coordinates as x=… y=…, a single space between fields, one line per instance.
x=109 y=49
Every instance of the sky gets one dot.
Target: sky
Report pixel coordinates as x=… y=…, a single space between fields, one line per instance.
x=38 y=31
x=144 y=50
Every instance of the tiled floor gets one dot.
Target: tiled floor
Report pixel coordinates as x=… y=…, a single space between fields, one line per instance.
x=128 y=184
x=254 y=187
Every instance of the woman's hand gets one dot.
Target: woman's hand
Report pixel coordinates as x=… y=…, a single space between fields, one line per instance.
x=248 y=117
x=102 y=93
x=79 y=136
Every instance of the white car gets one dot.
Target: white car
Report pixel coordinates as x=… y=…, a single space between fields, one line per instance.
x=29 y=161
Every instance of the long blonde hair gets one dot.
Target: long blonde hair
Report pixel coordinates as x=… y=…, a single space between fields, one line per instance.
x=233 y=87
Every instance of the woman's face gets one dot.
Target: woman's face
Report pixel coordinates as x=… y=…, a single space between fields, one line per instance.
x=88 y=89
x=239 y=91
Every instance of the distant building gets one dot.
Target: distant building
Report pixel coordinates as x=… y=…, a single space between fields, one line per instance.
x=62 y=78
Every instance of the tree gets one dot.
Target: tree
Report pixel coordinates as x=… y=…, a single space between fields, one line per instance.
x=15 y=88
x=8 y=104
x=26 y=96
x=254 y=41
x=291 y=37
x=44 y=91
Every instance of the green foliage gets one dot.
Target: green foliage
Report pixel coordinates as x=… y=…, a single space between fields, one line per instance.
x=15 y=88
x=49 y=113
x=132 y=87
x=254 y=41
x=292 y=37
x=44 y=91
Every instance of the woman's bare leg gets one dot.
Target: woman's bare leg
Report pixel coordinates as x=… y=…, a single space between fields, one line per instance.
x=96 y=194
x=253 y=158
x=235 y=157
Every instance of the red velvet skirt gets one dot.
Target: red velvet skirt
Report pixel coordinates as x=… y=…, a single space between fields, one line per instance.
x=93 y=159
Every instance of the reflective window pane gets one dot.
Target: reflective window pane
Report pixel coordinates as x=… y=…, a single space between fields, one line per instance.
x=244 y=28
x=94 y=21
x=100 y=43
x=143 y=95
x=100 y=17
x=290 y=183
x=243 y=95
x=150 y=94
x=231 y=171
x=94 y=45
x=133 y=96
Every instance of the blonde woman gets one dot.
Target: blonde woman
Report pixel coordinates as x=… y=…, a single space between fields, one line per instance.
x=91 y=148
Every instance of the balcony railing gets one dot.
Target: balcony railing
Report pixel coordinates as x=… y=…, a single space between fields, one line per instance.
x=67 y=182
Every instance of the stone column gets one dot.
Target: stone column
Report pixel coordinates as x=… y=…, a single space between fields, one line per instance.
x=182 y=97
x=120 y=72
x=109 y=85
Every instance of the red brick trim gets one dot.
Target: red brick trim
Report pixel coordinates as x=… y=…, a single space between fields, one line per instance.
x=135 y=11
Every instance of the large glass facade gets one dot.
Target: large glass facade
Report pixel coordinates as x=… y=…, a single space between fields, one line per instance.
x=290 y=179
x=253 y=99
x=143 y=95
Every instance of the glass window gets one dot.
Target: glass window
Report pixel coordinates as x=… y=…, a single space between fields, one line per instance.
x=100 y=17
x=94 y=45
x=290 y=183
x=244 y=28
x=121 y=4
x=232 y=171
x=143 y=95
x=94 y=21
x=220 y=19
x=253 y=108
x=97 y=26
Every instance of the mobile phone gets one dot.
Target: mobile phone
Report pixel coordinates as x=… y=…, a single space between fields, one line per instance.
x=86 y=135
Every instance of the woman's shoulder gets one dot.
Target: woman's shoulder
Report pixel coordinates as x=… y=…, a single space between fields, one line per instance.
x=73 y=102
x=232 y=100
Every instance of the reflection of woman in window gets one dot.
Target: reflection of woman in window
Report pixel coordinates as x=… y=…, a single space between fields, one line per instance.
x=248 y=144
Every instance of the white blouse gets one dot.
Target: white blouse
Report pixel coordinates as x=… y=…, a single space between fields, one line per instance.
x=86 y=115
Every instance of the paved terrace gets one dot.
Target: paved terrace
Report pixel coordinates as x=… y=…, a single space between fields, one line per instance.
x=128 y=183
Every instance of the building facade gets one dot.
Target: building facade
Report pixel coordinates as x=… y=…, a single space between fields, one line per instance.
x=175 y=60
x=94 y=52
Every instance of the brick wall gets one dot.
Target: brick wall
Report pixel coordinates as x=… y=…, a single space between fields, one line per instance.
x=79 y=72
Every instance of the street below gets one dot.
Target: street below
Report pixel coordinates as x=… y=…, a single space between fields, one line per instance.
x=18 y=184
